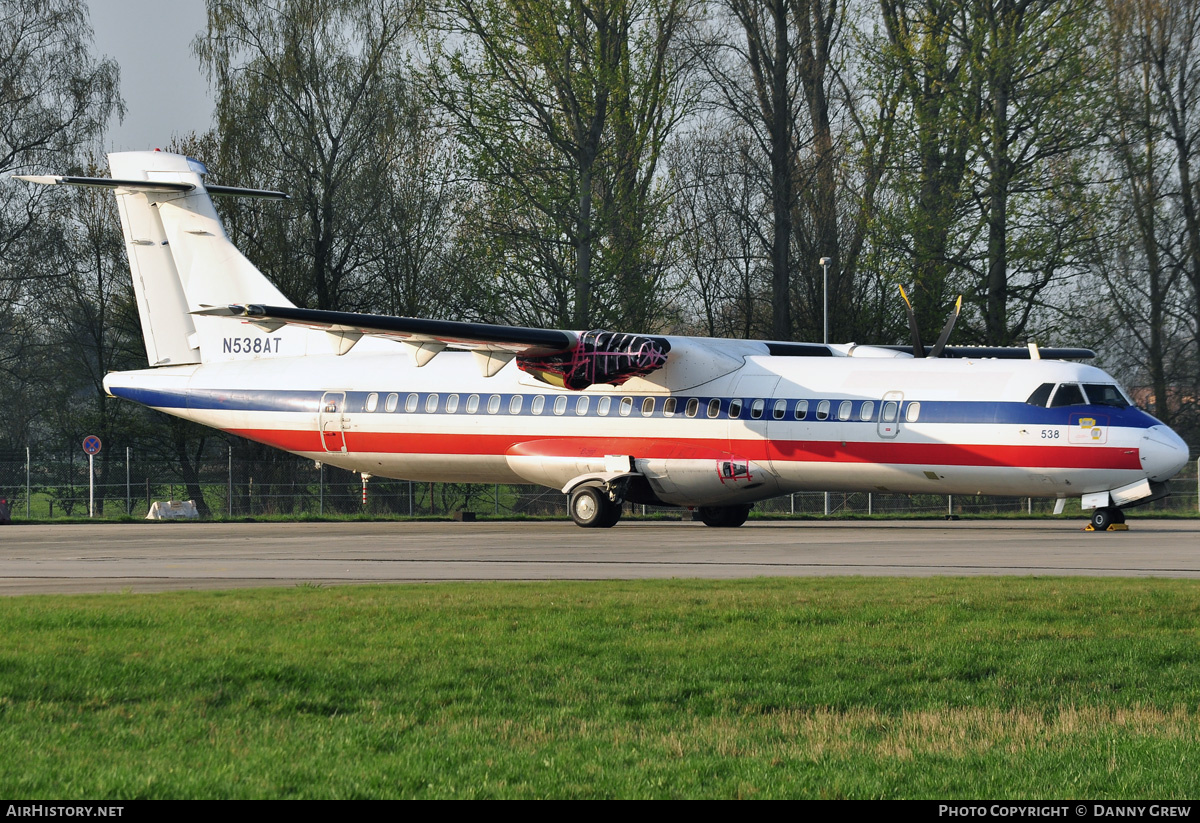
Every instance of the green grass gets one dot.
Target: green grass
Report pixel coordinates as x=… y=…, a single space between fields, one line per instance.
x=975 y=688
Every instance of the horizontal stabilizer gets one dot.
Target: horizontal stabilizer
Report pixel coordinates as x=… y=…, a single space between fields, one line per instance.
x=236 y=191
x=147 y=185
x=105 y=183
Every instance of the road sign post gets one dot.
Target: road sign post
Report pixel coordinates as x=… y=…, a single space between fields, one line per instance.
x=92 y=445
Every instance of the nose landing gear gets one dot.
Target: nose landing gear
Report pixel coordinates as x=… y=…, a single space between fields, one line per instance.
x=1107 y=519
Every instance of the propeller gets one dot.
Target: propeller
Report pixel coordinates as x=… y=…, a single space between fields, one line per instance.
x=918 y=348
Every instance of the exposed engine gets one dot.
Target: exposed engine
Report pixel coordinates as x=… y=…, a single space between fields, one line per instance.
x=599 y=357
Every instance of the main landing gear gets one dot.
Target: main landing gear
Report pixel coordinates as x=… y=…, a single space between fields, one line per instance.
x=593 y=508
x=723 y=516
x=1107 y=518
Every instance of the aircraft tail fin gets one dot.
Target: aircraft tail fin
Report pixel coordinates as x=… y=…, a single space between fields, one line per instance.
x=182 y=262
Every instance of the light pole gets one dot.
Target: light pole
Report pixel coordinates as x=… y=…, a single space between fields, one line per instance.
x=825 y=300
x=825 y=297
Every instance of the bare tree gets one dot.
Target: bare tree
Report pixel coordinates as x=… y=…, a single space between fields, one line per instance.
x=921 y=230
x=720 y=241
x=55 y=100
x=822 y=146
x=564 y=109
x=317 y=99
x=1153 y=51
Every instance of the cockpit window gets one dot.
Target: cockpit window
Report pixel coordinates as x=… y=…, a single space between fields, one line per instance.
x=1068 y=394
x=1041 y=395
x=1105 y=394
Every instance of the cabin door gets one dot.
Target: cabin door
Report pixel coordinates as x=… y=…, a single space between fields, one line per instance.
x=331 y=421
x=889 y=414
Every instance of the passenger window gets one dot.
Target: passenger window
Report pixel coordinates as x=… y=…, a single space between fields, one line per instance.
x=1041 y=395
x=823 y=410
x=867 y=411
x=581 y=406
x=912 y=412
x=452 y=404
x=693 y=406
x=756 y=409
x=539 y=403
x=603 y=405
x=410 y=403
x=560 y=404
x=431 y=403
x=780 y=409
x=626 y=406
x=493 y=405
x=372 y=401
x=735 y=408
x=392 y=400
x=844 y=410
x=669 y=407
x=472 y=404
x=801 y=409
x=1068 y=394
x=714 y=407
x=514 y=405
x=648 y=407
x=889 y=411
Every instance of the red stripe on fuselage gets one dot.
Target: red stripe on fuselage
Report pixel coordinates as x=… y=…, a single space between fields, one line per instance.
x=799 y=451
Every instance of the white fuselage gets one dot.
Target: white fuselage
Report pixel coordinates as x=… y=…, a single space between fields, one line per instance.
x=738 y=428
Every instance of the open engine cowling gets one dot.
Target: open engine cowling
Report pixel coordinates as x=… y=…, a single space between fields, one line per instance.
x=599 y=357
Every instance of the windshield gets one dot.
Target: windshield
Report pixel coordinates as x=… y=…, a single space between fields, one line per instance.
x=1105 y=394
x=1068 y=394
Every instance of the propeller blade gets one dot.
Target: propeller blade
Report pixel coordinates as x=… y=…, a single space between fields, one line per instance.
x=945 y=335
x=918 y=349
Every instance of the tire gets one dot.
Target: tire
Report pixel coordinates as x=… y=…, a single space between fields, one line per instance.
x=591 y=508
x=723 y=517
x=1102 y=518
x=615 y=510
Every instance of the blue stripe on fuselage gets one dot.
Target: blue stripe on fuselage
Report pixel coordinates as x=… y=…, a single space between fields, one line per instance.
x=932 y=411
x=272 y=400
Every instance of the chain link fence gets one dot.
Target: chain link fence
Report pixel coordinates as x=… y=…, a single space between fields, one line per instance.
x=48 y=487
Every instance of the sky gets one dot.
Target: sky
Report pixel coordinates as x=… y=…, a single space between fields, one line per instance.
x=165 y=91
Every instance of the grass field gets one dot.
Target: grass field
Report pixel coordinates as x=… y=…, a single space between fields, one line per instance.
x=939 y=688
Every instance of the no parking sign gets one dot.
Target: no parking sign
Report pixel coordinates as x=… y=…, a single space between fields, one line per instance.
x=91 y=445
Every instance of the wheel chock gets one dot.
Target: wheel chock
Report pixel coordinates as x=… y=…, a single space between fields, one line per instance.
x=1112 y=527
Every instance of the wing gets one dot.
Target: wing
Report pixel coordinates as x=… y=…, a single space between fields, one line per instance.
x=446 y=333
x=561 y=358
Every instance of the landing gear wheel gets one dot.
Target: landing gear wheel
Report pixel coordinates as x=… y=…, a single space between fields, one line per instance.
x=1106 y=516
x=591 y=508
x=723 y=516
x=614 y=514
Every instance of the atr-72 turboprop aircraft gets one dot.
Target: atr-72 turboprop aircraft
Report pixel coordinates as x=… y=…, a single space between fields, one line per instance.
x=698 y=422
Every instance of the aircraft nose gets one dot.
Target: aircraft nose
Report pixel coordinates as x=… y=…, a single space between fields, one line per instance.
x=1163 y=453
